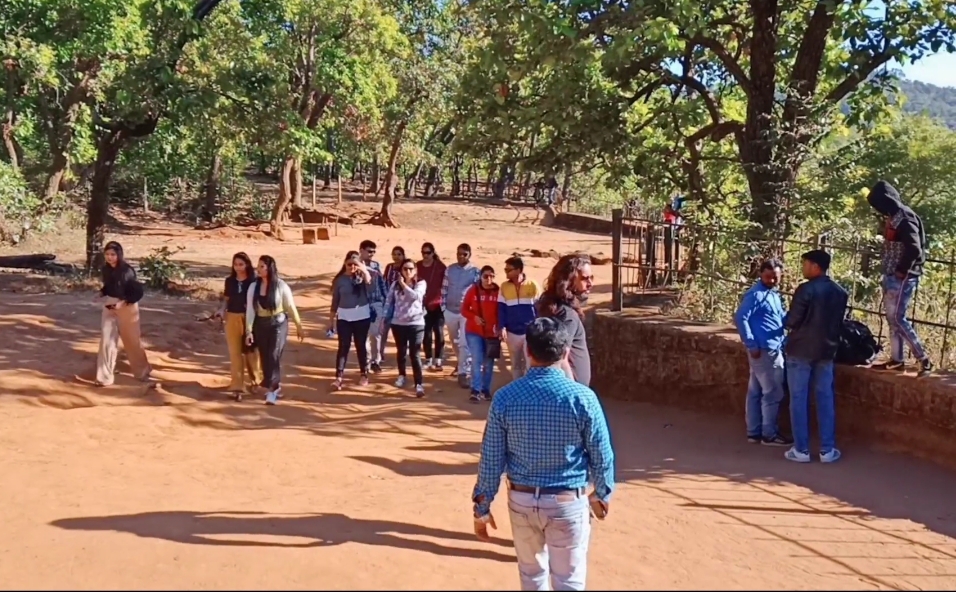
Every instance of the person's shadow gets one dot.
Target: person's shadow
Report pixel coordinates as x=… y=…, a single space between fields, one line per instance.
x=242 y=528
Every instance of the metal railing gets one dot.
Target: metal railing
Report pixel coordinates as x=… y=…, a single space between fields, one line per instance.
x=703 y=269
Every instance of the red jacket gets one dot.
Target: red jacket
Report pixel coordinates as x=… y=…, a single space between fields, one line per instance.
x=433 y=276
x=487 y=300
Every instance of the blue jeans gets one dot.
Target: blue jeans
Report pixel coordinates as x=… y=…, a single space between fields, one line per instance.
x=551 y=534
x=897 y=295
x=802 y=376
x=482 y=367
x=764 y=393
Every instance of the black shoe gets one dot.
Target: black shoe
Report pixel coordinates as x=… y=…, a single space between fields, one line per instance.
x=891 y=365
x=925 y=368
x=475 y=397
x=777 y=440
x=376 y=368
x=486 y=396
x=754 y=439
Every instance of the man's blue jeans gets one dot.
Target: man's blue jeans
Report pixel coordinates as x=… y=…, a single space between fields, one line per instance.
x=764 y=393
x=551 y=535
x=802 y=377
x=897 y=296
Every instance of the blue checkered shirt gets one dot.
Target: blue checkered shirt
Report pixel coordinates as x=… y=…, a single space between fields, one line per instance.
x=545 y=430
x=377 y=289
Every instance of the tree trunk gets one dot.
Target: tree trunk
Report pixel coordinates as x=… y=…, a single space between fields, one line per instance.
x=97 y=210
x=326 y=176
x=13 y=91
x=376 y=172
x=213 y=180
x=431 y=181
x=411 y=182
x=295 y=178
x=456 y=176
x=285 y=198
x=384 y=216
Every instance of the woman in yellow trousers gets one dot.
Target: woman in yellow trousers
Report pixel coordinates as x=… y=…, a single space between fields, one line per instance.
x=243 y=358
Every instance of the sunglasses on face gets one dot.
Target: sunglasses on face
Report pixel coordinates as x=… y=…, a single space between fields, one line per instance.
x=509 y=269
x=408 y=269
x=370 y=251
x=427 y=253
x=351 y=265
x=488 y=276
x=463 y=255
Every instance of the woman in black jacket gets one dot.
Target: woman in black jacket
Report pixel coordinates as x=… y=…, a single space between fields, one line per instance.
x=243 y=359
x=120 y=296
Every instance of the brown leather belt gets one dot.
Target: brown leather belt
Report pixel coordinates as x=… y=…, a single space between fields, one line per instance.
x=546 y=490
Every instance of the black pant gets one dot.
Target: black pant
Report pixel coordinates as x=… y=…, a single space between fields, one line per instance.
x=408 y=341
x=349 y=332
x=270 y=334
x=434 y=325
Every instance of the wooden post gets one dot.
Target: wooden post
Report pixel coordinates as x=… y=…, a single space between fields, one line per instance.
x=145 y=195
x=617 y=290
x=313 y=190
x=339 y=202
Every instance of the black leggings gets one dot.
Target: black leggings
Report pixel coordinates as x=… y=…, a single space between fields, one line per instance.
x=434 y=325
x=349 y=332
x=408 y=341
x=270 y=335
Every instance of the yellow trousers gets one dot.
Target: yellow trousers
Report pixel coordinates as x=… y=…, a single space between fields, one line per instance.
x=239 y=363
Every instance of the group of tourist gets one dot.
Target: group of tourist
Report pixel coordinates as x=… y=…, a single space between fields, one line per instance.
x=798 y=347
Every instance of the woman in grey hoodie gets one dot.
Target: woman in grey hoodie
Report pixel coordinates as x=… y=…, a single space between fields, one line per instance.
x=405 y=313
x=352 y=315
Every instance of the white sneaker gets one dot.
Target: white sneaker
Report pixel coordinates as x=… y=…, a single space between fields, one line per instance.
x=796 y=456
x=271 y=398
x=419 y=390
x=832 y=456
x=278 y=392
x=400 y=383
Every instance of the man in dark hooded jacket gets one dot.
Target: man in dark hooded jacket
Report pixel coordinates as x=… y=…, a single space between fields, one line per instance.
x=904 y=253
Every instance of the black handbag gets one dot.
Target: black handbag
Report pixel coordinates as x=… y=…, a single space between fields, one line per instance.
x=492 y=344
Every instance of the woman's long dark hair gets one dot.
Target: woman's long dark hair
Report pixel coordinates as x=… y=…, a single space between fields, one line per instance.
x=431 y=248
x=250 y=271
x=349 y=257
x=558 y=286
x=269 y=302
x=115 y=274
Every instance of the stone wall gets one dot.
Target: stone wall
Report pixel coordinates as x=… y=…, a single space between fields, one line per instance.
x=638 y=356
x=583 y=223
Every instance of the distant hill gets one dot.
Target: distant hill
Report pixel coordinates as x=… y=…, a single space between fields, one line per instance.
x=938 y=102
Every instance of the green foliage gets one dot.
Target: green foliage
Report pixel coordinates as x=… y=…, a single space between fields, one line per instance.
x=19 y=207
x=159 y=270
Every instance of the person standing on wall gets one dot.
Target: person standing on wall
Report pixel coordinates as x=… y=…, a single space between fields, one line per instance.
x=352 y=315
x=120 y=295
x=459 y=277
x=549 y=435
x=243 y=359
x=516 y=309
x=814 y=322
x=759 y=321
x=904 y=254
x=432 y=271
x=377 y=291
x=405 y=313
x=269 y=304
x=565 y=291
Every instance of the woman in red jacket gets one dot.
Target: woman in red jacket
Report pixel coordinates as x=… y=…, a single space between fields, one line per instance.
x=480 y=309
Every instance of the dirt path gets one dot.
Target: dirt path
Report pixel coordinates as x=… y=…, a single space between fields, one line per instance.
x=368 y=488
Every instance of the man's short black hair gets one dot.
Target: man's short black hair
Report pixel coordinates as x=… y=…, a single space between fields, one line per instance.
x=547 y=340
x=772 y=263
x=515 y=262
x=818 y=256
x=465 y=247
x=367 y=244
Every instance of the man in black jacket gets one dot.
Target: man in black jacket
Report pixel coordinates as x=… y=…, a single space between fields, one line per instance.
x=814 y=322
x=904 y=253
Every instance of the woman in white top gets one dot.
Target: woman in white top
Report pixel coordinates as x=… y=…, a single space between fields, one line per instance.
x=405 y=313
x=352 y=315
x=269 y=304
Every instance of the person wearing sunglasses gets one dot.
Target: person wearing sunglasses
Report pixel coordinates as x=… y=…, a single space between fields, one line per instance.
x=480 y=310
x=405 y=313
x=432 y=271
x=459 y=277
x=352 y=314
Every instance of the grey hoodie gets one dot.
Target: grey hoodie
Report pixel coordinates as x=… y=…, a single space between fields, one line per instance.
x=457 y=280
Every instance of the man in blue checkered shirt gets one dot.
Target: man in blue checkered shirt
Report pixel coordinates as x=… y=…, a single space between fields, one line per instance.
x=549 y=434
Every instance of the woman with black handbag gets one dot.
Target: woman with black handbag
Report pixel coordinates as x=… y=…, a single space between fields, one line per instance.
x=243 y=358
x=480 y=309
x=120 y=318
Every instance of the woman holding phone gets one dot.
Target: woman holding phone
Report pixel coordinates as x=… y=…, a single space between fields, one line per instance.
x=352 y=315
x=405 y=313
x=120 y=294
x=243 y=359
x=269 y=304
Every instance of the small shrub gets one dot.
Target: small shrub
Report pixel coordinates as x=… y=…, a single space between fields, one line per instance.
x=158 y=268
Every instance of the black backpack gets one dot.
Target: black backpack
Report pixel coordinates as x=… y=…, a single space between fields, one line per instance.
x=857 y=346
